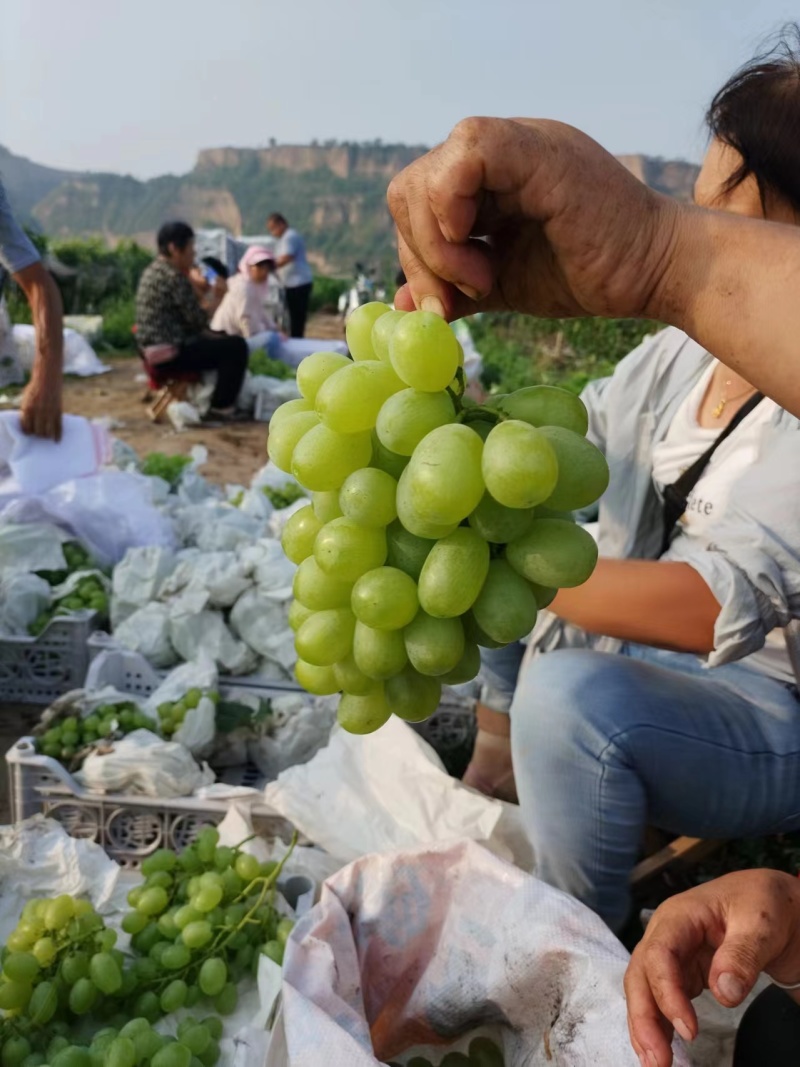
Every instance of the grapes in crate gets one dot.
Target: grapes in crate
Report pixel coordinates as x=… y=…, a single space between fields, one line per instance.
x=70 y=737
x=436 y=526
x=88 y=594
x=171 y=714
x=199 y=924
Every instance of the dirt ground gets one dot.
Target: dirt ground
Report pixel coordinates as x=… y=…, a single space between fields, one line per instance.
x=235 y=453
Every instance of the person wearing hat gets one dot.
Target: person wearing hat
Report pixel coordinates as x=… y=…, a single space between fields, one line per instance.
x=243 y=311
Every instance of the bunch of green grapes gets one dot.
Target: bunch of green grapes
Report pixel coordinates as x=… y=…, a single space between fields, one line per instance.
x=172 y=714
x=261 y=363
x=285 y=496
x=436 y=526
x=65 y=739
x=482 y=1052
x=76 y=558
x=168 y=468
x=199 y=922
x=88 y=594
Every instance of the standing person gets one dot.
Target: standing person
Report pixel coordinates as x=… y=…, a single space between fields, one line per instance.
x=40 y=413
x=293 y=271
x=172 y=326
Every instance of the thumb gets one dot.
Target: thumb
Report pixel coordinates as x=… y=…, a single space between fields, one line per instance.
x=738 y=962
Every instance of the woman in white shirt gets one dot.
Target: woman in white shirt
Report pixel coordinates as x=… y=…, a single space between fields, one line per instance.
x=243 y=311
x=693 y=724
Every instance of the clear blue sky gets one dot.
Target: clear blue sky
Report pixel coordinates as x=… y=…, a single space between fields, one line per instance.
x=139 y=86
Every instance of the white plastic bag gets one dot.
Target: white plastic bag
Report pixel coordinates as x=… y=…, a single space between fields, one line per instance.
x=222 y=575
x=262 y=624
x=11 y=372
x=272 y=571
x=198 y=728
x=204 y=634
x=147 y=631
x=143 y=763
x=138 y=577
x=23 y=597
x=301 y=725
x=31 y=546
x=410 y=950
x=79 y=356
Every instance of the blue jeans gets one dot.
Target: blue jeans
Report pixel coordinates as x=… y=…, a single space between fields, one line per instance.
x=606 y=744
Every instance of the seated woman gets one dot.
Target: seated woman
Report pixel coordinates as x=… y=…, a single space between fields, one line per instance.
x=692 y=723
x=243 y=312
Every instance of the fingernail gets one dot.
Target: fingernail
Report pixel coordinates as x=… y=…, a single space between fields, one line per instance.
x=432 y=303
x=730 y=987
x=681 y=1028
x=473 y=294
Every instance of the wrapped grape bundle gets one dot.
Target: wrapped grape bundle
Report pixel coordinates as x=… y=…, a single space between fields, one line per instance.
x=437 y=526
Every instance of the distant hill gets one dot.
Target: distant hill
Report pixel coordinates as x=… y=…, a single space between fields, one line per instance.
x=335 y=194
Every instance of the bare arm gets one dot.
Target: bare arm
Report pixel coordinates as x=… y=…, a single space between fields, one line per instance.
x=281 y=261
x=665 y=604
x=42 y=400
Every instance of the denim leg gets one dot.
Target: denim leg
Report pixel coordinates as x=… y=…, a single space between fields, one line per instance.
x=604 y=744
x=498 y=675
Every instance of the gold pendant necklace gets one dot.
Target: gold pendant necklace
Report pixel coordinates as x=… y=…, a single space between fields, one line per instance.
x=724 y=400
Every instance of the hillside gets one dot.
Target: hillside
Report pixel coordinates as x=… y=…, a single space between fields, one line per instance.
x=334 y=193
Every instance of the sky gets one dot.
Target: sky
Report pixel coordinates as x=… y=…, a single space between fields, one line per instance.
x=139 y=87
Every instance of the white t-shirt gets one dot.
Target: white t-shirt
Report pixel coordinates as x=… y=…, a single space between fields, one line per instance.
x=687 y=440
x=298 y=271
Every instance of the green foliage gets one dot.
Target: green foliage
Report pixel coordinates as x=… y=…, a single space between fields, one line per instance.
x=260 y=363
x=518 y=350
x=326 y=292
x=169 y=468
x=119 y=317
x=283 y=497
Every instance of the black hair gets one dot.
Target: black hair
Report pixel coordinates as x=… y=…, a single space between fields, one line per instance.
x=217 y=266
x=277 y=217
x=174 y=233
x=757 y=112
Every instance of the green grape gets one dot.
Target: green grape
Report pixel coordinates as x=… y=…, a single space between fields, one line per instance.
x=207 y=898
x=349 y=401
x=290 y=407
x=153 y=900
x=135 y=895
x=506 y=608
x=58 y=913
x=483 y=1052
x=544 y=405
x=467 y=667
x=519 y=465
x=434 y=646
x=320 y=681
x=54 y=1046
x=188 y=859
x=186 y=915
x=324 y=458
x=299 y=533
x=214 y=1027
x=582 y=470
x=350 y=679
x=196 y=1038
x=273 y=950
x=20 y=966
x=544 y=594
x=319 y=591
x=378 y=653
x=326 y=637
x=413 y=696
x=167 y=926
x=453 y=574
x=326 y=505
x=314 y=370
x=385 y=599
x=225 y=1002
x=121 y=1053
x=174 y=996
x=223 y=857
x=207 y=841
x=385 y=460
x=43 y=1003
x=456 y=1059
x=382 y=331
x=74 y=966
x=15 y=1050
x=499 y=524
x=359 y=329
x=173 y=1054
x=175 y=958
x=424 y=351
x=213 y=976
x=210 y=1056
x=346 y=550
x=234 y=914
x=410 y=415
x=247 y=867
x=364 y=714
x=444 y=476
x=368 y=497
x=45 y=951
x=34 y=1059
x=144 y=969
x=164 y=859
x=161 y=878
x=105 y=972
x=405 y=550
x=284 y=438
x=554 y=553
x=82 y=996
x=191 y=700
x=298 y=613
x=148 y=1005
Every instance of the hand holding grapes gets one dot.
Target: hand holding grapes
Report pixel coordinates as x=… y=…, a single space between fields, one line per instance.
x=570 y=231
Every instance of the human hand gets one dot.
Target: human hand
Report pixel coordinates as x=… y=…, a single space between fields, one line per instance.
x=719 y=936
x=199 y=281
x=40 y=411
x=570 y=231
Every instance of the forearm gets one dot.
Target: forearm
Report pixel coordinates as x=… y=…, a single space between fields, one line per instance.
x=732 y=285
x=664 y=604
x=281 y=261
x=48 y=320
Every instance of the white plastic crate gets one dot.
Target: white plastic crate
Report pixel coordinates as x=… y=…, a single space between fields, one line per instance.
x=36 y=670
x=129 y=827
